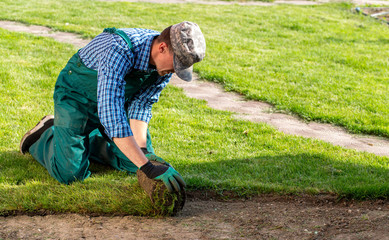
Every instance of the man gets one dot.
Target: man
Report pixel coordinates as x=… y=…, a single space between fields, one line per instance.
x=103 y=99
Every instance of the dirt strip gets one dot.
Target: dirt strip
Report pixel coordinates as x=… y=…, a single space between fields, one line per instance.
x=249 y=110
x=42 y=31
x=265 y=217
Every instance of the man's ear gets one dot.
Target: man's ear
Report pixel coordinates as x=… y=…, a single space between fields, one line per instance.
x=162 y=47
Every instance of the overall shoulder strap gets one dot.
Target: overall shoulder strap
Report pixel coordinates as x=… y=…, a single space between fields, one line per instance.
x=121 y=34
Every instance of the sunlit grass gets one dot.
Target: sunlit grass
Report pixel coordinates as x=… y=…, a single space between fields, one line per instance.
x=211 y=149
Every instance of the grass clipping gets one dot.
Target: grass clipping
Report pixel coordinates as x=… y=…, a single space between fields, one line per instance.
x=164 y=202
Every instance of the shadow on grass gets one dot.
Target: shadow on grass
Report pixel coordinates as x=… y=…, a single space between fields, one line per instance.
x=25 y=186
x=288 y=173
x=311 y=173
x=19 y=169
x=284 y=173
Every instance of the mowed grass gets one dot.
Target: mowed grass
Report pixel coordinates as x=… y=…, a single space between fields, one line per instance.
x=323 y=63
x=211 y=149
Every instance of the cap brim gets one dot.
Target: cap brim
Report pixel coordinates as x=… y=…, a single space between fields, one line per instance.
x=183 y=73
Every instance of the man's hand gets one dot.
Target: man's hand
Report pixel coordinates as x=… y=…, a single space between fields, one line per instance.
x=169 y=176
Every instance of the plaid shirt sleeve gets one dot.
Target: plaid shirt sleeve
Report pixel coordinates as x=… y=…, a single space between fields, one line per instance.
x=113 y=66
x=140 y=107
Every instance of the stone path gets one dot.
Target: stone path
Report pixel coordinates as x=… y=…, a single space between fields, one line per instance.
x=249 y=110
x=257 y=111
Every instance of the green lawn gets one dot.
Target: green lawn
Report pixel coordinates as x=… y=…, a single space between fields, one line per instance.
x=211 y=149
x=323 y=63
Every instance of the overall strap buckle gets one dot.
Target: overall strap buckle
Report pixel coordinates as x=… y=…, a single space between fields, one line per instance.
x=122 y=34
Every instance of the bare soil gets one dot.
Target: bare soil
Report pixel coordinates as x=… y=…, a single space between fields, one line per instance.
x=383 y=12
x=263 y=217
x=372 y=10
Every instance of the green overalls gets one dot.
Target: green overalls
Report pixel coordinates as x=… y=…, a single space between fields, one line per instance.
x=76 y=137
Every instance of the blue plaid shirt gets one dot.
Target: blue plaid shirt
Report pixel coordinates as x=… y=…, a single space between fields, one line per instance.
x=111 y=57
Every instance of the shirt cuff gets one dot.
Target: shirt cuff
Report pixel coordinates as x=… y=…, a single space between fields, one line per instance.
x=139 y=112
x=119 y=131
x=145 y=116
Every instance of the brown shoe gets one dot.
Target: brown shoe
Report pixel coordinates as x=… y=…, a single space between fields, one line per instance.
x=34 y=134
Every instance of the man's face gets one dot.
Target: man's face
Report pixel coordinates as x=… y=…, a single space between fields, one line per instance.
x=164 y=61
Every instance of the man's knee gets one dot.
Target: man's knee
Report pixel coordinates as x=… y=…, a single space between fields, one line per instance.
x=70 y=156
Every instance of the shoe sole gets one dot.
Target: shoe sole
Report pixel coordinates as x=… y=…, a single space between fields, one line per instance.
x=41 y=126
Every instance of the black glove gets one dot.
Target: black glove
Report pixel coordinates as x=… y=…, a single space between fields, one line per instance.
x=153 y=171
x=169 y=176
x=144 y=150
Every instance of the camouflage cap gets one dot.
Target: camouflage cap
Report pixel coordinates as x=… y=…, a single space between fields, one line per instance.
x=188 y=45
